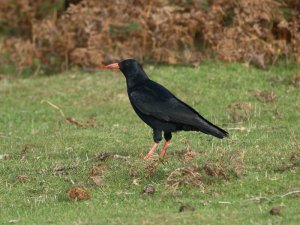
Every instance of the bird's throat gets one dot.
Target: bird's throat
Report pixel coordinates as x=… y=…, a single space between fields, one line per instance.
x=134 y=80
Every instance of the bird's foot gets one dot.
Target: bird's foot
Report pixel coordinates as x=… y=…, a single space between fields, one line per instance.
x=164 y=150
x=146 y=157
x=150 y=153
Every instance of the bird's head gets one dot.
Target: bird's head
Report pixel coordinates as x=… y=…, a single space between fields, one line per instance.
x=127 y=66
x=132 y=70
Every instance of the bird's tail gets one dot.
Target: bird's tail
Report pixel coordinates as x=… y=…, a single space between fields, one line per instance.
x=217 y=132
x=213 y=130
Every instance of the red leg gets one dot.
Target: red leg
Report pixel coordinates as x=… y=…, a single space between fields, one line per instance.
x=163 y=151
x=151 y=151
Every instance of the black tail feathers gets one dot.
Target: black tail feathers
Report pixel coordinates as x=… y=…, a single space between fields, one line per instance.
x=219 y=133
x=214 y=131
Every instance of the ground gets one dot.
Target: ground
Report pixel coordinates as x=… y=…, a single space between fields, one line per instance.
x=78 y=129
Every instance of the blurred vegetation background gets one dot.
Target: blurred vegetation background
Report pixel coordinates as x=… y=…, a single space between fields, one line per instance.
x=51 y=36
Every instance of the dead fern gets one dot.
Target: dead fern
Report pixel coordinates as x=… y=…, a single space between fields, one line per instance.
x=91 y=32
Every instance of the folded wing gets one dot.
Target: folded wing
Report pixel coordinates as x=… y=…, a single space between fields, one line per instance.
x=156 y=101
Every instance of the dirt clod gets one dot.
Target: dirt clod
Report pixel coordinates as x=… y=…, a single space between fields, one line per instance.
x=95 y=174
x=97 y=170
x=265 y=96
x=60 y=169
x=293 y=163
x=102 y=156
x=276 y=210
x=97 y=180
x=72 y=120
x=22 y=178
x=184 y=208
x=78 y=194
x=214 y=171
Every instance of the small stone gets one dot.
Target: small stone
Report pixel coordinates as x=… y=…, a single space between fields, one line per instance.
x=149 y=189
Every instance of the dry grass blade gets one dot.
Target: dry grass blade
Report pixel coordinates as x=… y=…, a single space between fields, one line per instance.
x=265 y=96
x=24 y=150
x=186 y=175
x=240 y=111
x=60 y=169
x=54 y=106
x=293 y=163
x=189 y=153
x=133 y=172
x=152 y=166
x=215 y=171
x=237 y=162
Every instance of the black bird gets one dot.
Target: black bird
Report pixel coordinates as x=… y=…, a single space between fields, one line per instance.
x=159 y=108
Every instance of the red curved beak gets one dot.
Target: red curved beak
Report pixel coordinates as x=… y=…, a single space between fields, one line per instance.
x=112 y=66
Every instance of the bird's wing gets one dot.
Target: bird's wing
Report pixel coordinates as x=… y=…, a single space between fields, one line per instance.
x=154 y=100
x=163 y=105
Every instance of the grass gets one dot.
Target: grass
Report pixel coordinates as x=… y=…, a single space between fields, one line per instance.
x=38 y=140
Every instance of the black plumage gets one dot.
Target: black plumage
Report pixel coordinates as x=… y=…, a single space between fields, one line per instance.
x=159 y=108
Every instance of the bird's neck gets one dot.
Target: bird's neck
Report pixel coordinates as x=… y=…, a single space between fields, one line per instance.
x=134 y=80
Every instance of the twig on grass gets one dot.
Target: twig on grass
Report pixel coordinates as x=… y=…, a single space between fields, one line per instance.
x=54 y=106
x=290 y=193
x=259 y=199
x=70 y=120
x=222 y=202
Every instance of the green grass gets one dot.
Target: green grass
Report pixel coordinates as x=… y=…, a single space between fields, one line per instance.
x=270 y=137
